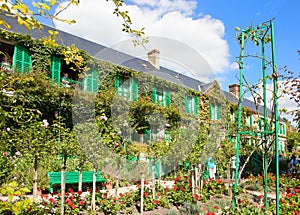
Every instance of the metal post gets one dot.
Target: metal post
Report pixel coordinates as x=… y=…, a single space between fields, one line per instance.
x=239 y=121
x=265 y=140
x=275 y=100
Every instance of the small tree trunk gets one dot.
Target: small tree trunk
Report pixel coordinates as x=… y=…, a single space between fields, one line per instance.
x=142 y=194
x=94 y=190
x=63 y=184
x=247 y=160
x=80 y=179
x=35 y=178
x=153 y=179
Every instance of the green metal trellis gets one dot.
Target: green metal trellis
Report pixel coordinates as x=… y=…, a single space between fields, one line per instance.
x=264 y=28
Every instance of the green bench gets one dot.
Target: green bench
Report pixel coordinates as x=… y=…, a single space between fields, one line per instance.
x=73 y=178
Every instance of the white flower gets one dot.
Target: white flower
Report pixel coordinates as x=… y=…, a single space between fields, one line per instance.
x=8 y=129
x=103 y=118
x=18 y=153
x=46 y=124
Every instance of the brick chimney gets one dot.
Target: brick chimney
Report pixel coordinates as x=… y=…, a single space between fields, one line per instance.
x=259 y=100
x=153 y=57
x=235 y=89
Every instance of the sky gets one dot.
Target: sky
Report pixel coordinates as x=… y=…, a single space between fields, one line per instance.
x=189 y=33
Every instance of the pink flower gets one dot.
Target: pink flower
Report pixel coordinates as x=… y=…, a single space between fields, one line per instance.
x=18 y=153
x=8 y=129
x=5 y=154
x=103 y=118
x=46 y=124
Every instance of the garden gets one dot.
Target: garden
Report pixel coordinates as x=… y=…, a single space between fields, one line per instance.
x=178 y=197
x=46 y=128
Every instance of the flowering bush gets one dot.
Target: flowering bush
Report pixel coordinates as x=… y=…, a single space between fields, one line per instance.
x=213 y=187
x=182 y=191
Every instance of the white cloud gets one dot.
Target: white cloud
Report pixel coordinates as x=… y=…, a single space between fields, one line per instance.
x=161 y=18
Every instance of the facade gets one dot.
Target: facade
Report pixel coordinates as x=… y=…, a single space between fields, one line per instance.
x=193 y=100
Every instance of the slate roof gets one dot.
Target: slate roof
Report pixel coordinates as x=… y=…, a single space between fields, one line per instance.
x=116 y=57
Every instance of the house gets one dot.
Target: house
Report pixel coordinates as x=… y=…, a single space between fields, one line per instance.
x=129 y=87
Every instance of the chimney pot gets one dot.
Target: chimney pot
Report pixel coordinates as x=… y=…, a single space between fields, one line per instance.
x=153 y=57
x=235 y=89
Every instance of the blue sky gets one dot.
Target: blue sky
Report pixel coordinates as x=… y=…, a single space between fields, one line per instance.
x=287 y=26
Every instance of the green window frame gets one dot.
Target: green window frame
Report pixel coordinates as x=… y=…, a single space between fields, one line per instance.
x=162 y=97
x=191 y=105
x=55 y=69
x=127 y=88
x=22 y=61
x=282 y=129
x=215 y=111
x=249 y=120
x=91 y=82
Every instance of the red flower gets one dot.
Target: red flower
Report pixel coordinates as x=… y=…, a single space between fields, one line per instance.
x=190 y=185
x=146 y=195
x=175 y=188
x=156 y=202
x=158 y=194
x=120 y=194
x=210 y=213
x=73 y=206
x=296 y=212
x=71 y=191
x=52 y=200
x=81 y=203
x=216 y=207
x=79 y=192
x=197 y=197
x=167 y=189
x=182 y=189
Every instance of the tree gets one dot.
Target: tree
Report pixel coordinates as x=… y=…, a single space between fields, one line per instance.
x=29 y=18
x=291 y=86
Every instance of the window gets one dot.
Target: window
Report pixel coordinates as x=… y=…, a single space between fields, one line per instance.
x=91 y=81
x=249 y=120
x=282 y=129
x=127 y=88
x=232 y=115
x=161 y=97
x=22 y=59
x=191 y=104
x=215 y=112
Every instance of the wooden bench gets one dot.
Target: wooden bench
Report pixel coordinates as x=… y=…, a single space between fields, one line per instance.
x=73 y=178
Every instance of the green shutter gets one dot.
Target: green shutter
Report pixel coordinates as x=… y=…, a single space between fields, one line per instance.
x=167 y=98
x=117 y=83
x=95 y=80
x=187 y=108
x=218 y=111
x=91 y=82
x=154 y=94
x=167 y=136
x=22 y=59
x=250 y=120
x=196 y=105
x=134 y=90
x=146 y=135
x=55 y=69
x=211 y=111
